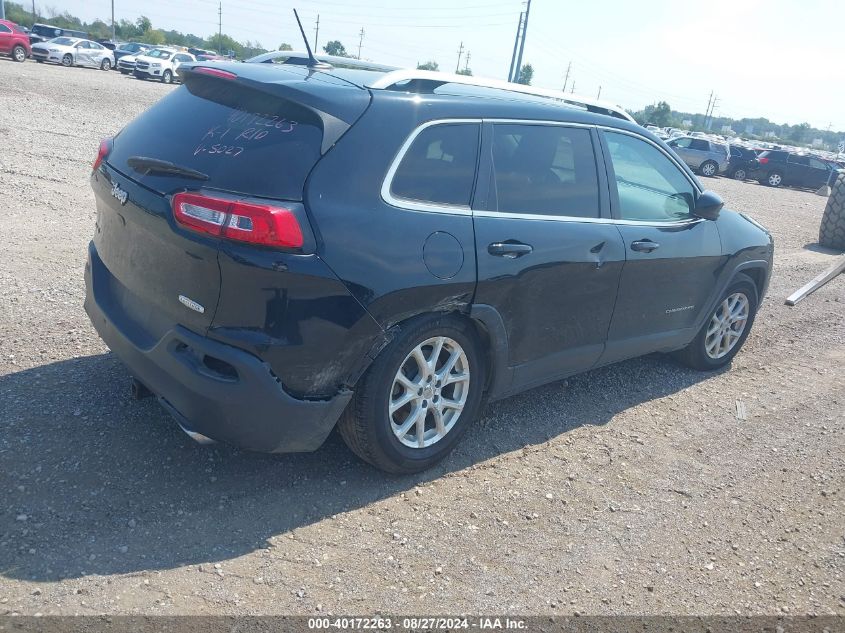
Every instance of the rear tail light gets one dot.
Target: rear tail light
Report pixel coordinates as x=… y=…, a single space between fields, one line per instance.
x=763 y=160
x=261 y=224
x=102 y=153
x=214 y=72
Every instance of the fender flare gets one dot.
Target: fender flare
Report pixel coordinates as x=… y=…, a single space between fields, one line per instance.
x=501 y=375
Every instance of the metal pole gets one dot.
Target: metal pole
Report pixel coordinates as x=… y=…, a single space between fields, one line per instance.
x=598 y=96
x=112 y=21
x=360 y=42
x=2 y=9
x=220 y=26
x=518 y=70
x=317 y=32
x=460 y=54
x=515 y=45
x=566 y=79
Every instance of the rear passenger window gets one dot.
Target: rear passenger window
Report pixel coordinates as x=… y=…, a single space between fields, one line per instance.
x=651 y=187
x=439 y=167
x=544 y=169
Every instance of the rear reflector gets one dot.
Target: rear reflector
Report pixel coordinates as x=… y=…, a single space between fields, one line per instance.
x=102 y=153
x=240 y=221
x=763 y=160
x=215 y=72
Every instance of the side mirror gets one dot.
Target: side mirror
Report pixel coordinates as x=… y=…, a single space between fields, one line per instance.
x=708 y=205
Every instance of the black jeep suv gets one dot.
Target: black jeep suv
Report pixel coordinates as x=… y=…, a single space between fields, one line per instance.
x=782 y=167
x=279 y=249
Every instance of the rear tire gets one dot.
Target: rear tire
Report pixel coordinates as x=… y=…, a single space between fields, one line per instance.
x=105 y=65
x=67 y=60
x=832 y=228
x=709 y=168
x=429 y=391
x=739 y=174
x=774 y=179
x=19 y=53
x=709 y=350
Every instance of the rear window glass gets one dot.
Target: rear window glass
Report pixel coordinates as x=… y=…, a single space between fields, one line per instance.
x=63 y=41
x=244 y=140
x=439 y=166
x=547 y=170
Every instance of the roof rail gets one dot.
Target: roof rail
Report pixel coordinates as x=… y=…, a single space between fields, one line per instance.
x=428 y=80
x=301 y=58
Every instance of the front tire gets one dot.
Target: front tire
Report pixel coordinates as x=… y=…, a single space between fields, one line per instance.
x=67 y=60
x=19 y=53
x=709 y=168
x=419 y=396
x=725 y=331
x=166 y=77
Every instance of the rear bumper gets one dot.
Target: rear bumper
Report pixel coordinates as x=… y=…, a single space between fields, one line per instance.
x=211 y=388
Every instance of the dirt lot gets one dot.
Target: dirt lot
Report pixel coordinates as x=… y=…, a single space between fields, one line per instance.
x=629 y=489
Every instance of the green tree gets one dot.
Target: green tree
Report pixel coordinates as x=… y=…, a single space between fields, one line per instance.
x=526 y=74
x=284 y=46
x=429 y=65
x=143 y=24
x=799 y=133
x=465 y=71
x=336 y=48
x=659 y=114
x=154 y=36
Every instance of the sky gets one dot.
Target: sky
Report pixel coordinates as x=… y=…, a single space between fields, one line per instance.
x=780 y=59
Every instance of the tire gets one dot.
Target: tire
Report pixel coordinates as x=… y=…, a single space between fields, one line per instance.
x=696 y=354
x=368 y=427
x=774 y=179
x=739 y=173
x=709 y=168
x=167 y=77
x=19 y=53
x=105 y=65
x=832 y=228
x=67 y=60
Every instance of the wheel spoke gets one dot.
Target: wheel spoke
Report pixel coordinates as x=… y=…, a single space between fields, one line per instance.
x=406 y=382
x=438 y=421
x=420 y=359
x=395 y=405
x=452 y=404
x=409 y=422
x=421 y=429
x=449 y=365
x=455 y=378
x=435 y=354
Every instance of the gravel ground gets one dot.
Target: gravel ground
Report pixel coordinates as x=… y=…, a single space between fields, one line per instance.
x=631 y=489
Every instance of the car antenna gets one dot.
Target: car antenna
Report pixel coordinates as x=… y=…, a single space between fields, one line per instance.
x=313 y=62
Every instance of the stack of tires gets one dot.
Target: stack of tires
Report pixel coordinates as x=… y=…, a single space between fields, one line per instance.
x=832 y=229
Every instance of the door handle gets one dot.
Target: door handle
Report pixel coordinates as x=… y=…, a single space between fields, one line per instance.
x=511 y=250
x=645 y=246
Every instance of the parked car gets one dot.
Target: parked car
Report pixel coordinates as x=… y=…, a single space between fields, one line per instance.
x=130 y=49
x=782 y=167
x=14 y=41
x=481 y=246
x=126 y=65
x=40 y=33
x=71 y=51
x=112 y=45
x=707 y=157
x=742 y=162
x=162 y=64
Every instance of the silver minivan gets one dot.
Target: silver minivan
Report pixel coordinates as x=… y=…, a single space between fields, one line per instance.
x=706 y=157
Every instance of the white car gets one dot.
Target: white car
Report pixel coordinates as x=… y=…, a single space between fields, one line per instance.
x=126 y=64
x=161 y=64
x=73 y=51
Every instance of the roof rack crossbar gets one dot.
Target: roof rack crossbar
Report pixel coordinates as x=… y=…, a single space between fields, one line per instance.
x=301 y=58
x=429 y=80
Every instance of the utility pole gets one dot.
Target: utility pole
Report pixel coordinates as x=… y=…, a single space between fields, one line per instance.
x=712 y=111
x=2 y=9
x=566 y=79
x=518 y=70
x=460 y=54
x=220 y=26
x=317 y=33
x=466 y=66
x=34 y=19
x=598 y=96
x=360 y=42
x=707 y=111
x=572 y=92
x=515 y=45
x=112 y=18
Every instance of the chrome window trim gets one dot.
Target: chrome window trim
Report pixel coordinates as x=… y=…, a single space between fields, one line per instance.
x=421 y=205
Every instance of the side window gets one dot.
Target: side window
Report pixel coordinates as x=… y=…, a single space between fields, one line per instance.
x=798 y=160
x=700 y=144
x=651 y=187
x=439 y=166
x=815 y=163
x=545 y=169
x=5 y=29
x=683 y=142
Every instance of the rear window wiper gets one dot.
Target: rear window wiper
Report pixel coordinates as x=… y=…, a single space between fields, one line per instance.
x=144 y=165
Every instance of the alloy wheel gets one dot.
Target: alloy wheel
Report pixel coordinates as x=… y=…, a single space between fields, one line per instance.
x=726 y=325
x=19 y=54
x=775 y=179
x=739 y=174
x=429 y=392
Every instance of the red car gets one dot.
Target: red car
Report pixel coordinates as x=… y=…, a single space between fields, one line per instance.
x=14 y=41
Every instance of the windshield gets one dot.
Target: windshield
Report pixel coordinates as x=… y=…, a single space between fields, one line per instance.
x=160 y=54
x=62 y=41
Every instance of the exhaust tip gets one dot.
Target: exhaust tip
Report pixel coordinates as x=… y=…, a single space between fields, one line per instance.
x=139 y=391
x=199 y=438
